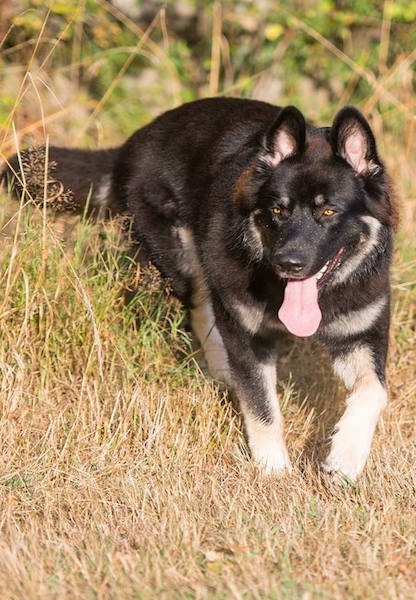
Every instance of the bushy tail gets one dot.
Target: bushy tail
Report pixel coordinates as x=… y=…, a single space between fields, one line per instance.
x=67 y=179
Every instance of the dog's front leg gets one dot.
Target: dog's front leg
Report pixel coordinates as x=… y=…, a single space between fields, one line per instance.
x=247 y=364
x=252 y=362
x=353 y=434
x=256 y=388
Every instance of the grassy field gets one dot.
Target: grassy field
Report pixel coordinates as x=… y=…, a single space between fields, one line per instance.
x=123 y=470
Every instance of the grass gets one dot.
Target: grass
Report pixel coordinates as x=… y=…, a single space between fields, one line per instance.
x=123 y=470
x=124 y=473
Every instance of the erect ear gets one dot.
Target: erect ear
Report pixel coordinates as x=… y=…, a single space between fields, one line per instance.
x=353 y=140
x=286 y=137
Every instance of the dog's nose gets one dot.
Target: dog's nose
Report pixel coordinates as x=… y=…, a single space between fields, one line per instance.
x=290 y=263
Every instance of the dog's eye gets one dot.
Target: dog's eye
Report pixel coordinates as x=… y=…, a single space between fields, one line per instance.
x=328 y=212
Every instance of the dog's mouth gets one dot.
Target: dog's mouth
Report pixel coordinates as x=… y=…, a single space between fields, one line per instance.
x=300 y=311
x=330 y=267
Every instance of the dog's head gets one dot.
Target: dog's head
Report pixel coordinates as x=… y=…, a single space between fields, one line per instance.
x=318 y=200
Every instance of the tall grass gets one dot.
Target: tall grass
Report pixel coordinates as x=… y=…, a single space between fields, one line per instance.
x=123 y=470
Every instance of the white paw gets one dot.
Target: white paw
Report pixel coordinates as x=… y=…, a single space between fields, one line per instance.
x=272 y=458
x=349 y=451
x=343 y=468
x=354 y=432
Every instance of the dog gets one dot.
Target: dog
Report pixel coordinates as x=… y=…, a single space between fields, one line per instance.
x=260 y=221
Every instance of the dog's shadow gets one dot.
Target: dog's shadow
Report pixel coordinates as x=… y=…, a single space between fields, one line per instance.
x=312 y=398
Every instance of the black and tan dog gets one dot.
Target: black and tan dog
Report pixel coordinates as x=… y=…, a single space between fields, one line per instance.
x=259 y=219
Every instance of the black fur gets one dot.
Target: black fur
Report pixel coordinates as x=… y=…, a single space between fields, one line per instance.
x=264 y=199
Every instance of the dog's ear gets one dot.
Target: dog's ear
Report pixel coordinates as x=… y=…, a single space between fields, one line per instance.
x=286 y=137
x=353 y=140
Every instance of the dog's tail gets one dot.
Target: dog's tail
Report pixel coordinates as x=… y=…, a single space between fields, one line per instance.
x=65 y=179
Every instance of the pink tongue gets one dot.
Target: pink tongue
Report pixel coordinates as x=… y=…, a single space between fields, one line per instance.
x=300 y=311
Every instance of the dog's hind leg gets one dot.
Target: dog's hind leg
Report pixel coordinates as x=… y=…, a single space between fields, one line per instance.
x=353 y=434
x=206 y=331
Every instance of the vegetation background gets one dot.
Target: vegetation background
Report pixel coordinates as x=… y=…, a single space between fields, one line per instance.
x=123 y=471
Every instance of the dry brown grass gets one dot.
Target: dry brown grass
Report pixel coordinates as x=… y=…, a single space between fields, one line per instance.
x=124 y=472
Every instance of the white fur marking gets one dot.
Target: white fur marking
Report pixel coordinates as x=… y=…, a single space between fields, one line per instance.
x=350 y=367
x=203 y=325
x=354 y=262
x=351 y=443
x=266 y=441
x=101 y=195
x=254 y=241
x=356 y=321
x=202 y=315
x=250 y=317
x=189 y=262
